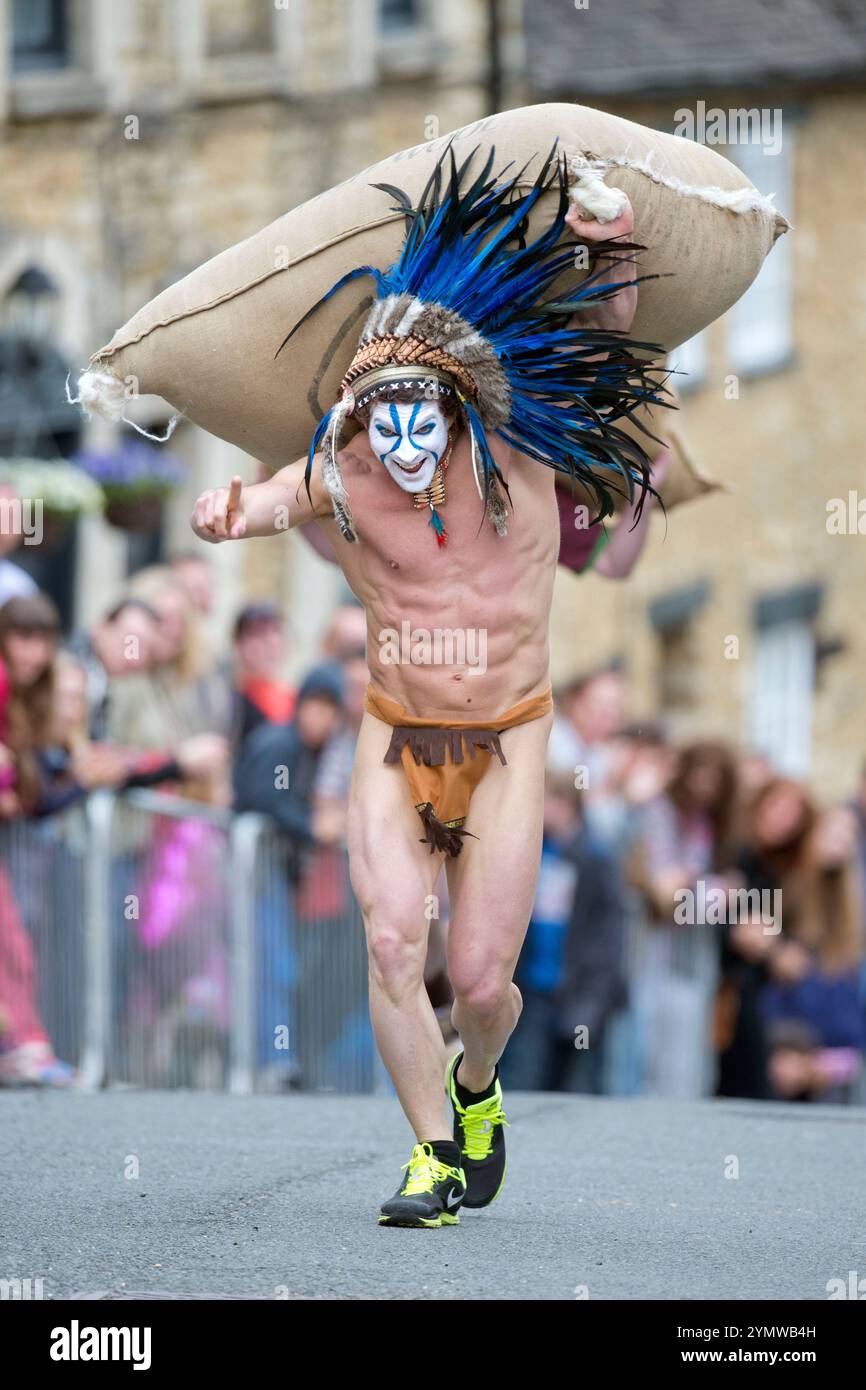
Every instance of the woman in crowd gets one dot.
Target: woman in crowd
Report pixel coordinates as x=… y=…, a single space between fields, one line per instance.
x=687 y=832
x=812 y=1002
x=775 y=833
x=29 y=636
x=181 y=696
x=29 y=632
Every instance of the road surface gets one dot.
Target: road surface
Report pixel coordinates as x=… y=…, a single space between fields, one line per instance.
x=198 y=1195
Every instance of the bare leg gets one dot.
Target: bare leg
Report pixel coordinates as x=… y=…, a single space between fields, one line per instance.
x=393 y=877
x=492 y=889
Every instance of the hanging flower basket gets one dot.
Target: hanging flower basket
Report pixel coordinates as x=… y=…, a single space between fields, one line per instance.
x=53 y=495
x=134 y=513
x=136 y=479
x=55 y=528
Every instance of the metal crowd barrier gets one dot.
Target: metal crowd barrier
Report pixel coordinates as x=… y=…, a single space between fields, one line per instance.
x=161 y=943
x=661 y=1044
x=166 y=944
x=43 y=896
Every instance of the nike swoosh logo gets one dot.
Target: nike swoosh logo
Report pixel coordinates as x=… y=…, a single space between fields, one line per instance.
x=454 y=1196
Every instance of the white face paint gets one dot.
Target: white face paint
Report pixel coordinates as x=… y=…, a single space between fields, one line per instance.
x=410 y=440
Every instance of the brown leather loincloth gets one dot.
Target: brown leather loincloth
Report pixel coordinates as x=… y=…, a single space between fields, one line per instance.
x=440 y=778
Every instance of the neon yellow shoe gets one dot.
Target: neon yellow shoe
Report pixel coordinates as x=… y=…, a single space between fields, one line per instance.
x=431 y=1195
x=478 y=1129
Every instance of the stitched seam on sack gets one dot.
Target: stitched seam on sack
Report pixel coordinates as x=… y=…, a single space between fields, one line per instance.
x=108 y=352
x=612 y=161
x=710 y=194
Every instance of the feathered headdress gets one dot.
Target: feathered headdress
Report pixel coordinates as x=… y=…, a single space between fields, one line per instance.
x=465 y=307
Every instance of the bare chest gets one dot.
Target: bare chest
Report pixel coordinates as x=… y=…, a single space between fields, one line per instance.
x=397 y=539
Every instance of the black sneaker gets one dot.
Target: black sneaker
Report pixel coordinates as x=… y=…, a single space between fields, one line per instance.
x=431 y=1195
x=478 y=1129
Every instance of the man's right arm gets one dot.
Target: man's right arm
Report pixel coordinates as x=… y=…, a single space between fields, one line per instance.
x=261 y=509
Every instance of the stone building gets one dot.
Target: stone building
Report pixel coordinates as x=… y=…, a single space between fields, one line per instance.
x=138 y=138
x=745 y=616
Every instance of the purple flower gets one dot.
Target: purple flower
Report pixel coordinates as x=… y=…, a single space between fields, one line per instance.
x=133 y=467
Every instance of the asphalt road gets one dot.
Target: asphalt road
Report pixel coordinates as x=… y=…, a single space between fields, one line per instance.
x=180 y=1194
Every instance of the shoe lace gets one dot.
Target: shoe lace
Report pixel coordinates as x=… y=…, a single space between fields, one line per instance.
x=478 y=1123
x=425 y=1169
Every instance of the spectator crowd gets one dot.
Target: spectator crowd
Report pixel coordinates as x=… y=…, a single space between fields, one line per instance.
x=707 y=847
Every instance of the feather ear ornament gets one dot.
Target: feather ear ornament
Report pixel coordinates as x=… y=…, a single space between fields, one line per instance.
x=331 y=473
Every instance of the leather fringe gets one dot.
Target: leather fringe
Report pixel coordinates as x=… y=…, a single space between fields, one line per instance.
x=438 y=835
x=429 y=746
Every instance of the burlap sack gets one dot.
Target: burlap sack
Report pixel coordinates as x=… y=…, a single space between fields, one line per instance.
x=207 y=343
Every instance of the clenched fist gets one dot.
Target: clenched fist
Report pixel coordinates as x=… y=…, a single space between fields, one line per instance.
x=218 y=515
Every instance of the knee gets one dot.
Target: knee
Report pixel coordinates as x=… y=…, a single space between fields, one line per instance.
x=482 y=991
x=395 y=953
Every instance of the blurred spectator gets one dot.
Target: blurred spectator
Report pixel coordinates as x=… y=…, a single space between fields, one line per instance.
x=858 y=806
x=685 y=848
x=755 y=772
x=591 y=712
x=334 y=772
x=71 y=763
x=26 y=1054
x=181 y=696
x=276 y=766
x=29 y=633
x=687 y=833
x=14 y=581
x=346 y=633
x=776 y=831
x=571 y=969
x=262 y=694
x=29 y=636
x=125 y=641
x=196 y=576
x=812 y=1001
x=586 y=741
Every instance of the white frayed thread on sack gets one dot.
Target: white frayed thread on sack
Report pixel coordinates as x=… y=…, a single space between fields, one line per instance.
x=732 y=199
x=593 y=194
x=101 y=392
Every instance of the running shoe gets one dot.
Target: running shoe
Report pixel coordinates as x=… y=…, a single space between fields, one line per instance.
x=478 y=1129
x=430 y=1196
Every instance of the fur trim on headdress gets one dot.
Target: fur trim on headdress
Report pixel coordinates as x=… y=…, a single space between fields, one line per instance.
x=404 y=316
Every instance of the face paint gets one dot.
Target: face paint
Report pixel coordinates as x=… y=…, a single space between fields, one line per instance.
x=409 y=440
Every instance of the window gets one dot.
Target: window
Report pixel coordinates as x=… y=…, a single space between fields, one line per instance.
x=783 y=684
x=40 y=35
x=239 y=27
x=690 y=359
x=759 y=330
x=399 y=14
x=673 y=617
x=678 y=668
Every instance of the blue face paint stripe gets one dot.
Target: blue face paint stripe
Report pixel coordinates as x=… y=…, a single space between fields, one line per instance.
x=407 y=433
x=421 y=448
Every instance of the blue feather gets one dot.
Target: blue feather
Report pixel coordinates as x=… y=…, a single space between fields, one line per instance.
x=468 y=249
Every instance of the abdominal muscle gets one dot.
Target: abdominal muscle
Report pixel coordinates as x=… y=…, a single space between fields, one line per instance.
x=463 y=630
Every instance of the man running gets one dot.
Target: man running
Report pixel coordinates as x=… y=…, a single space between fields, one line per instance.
x=441 y=530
